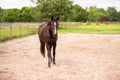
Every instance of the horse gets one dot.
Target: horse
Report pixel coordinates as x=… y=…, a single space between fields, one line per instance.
x=48 y=36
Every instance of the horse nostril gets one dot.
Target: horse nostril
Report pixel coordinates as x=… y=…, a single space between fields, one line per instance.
x=54 y=35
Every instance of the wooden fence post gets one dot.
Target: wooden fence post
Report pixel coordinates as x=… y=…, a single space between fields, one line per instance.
x=20 y=30
x=33 y=28
x=10 y=31
x=27 y=29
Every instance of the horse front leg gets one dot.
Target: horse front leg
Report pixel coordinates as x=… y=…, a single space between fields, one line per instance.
x=54 y=52
x=49 y=53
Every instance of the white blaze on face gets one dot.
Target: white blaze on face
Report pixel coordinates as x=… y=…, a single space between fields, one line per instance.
x=55 y=27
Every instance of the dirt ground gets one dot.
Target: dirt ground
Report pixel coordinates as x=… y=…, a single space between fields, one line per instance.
x=79 y=57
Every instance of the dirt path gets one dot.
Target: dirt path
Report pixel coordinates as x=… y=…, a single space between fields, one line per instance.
x=79 y=57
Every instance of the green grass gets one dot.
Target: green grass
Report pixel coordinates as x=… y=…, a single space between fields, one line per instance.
x=25 y=31
x=92 y=29
x=69 y=28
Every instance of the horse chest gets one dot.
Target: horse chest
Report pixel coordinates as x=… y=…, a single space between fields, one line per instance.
x=52 y=40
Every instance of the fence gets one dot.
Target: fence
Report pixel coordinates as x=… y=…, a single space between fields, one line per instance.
x=14 y=30
x=19 y=30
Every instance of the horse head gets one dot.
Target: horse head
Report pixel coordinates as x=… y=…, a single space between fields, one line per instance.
x=53 y=26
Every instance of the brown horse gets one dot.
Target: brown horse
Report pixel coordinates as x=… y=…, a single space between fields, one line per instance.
x=48 y=36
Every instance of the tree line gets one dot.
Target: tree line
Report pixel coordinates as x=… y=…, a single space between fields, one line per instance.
x=65 y=9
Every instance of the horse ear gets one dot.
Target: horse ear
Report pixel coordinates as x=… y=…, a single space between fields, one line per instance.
x=57 y=18
x=52 y=18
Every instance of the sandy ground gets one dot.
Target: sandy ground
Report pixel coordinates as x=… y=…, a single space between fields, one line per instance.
x=79 y=57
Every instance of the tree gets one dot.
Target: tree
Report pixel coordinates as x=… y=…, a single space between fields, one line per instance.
x=112 y=13
x=65 y=9
x=16 y=15
x=25 y=15
x=47 y=8
x=119 y=16
x=95 y=13
x=78 y=13
x=1 y=11
x=11 y=15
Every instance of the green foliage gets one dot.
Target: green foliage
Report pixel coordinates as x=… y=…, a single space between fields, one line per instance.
x=25 y=15
x=1 y=11
x=12 y=15
x=47 y=8
x=16 y=15
x=65 y=9
x=95 y=13
x=78 y=14
x=113 y=14
x=119 y=16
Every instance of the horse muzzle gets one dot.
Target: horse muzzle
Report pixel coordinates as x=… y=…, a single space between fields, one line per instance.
x=54 y=35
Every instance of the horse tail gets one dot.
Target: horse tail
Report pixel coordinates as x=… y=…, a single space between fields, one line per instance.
x=42 y=49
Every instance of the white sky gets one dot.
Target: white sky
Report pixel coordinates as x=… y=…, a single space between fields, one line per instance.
x=84 y=3
x=99 y=3
x=7 y=4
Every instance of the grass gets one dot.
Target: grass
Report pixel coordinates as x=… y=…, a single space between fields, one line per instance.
x=25 y=31
x=92 y=29
x=82 y=28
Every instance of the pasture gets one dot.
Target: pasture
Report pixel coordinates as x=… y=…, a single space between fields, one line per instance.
x=17 y=32
x=82 y=28
x=93 y=28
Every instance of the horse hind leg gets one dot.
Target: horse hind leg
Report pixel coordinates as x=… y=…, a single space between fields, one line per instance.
x=42 y=48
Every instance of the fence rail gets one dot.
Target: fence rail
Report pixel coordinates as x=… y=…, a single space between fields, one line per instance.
x=9 y=32
x=13 y=30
